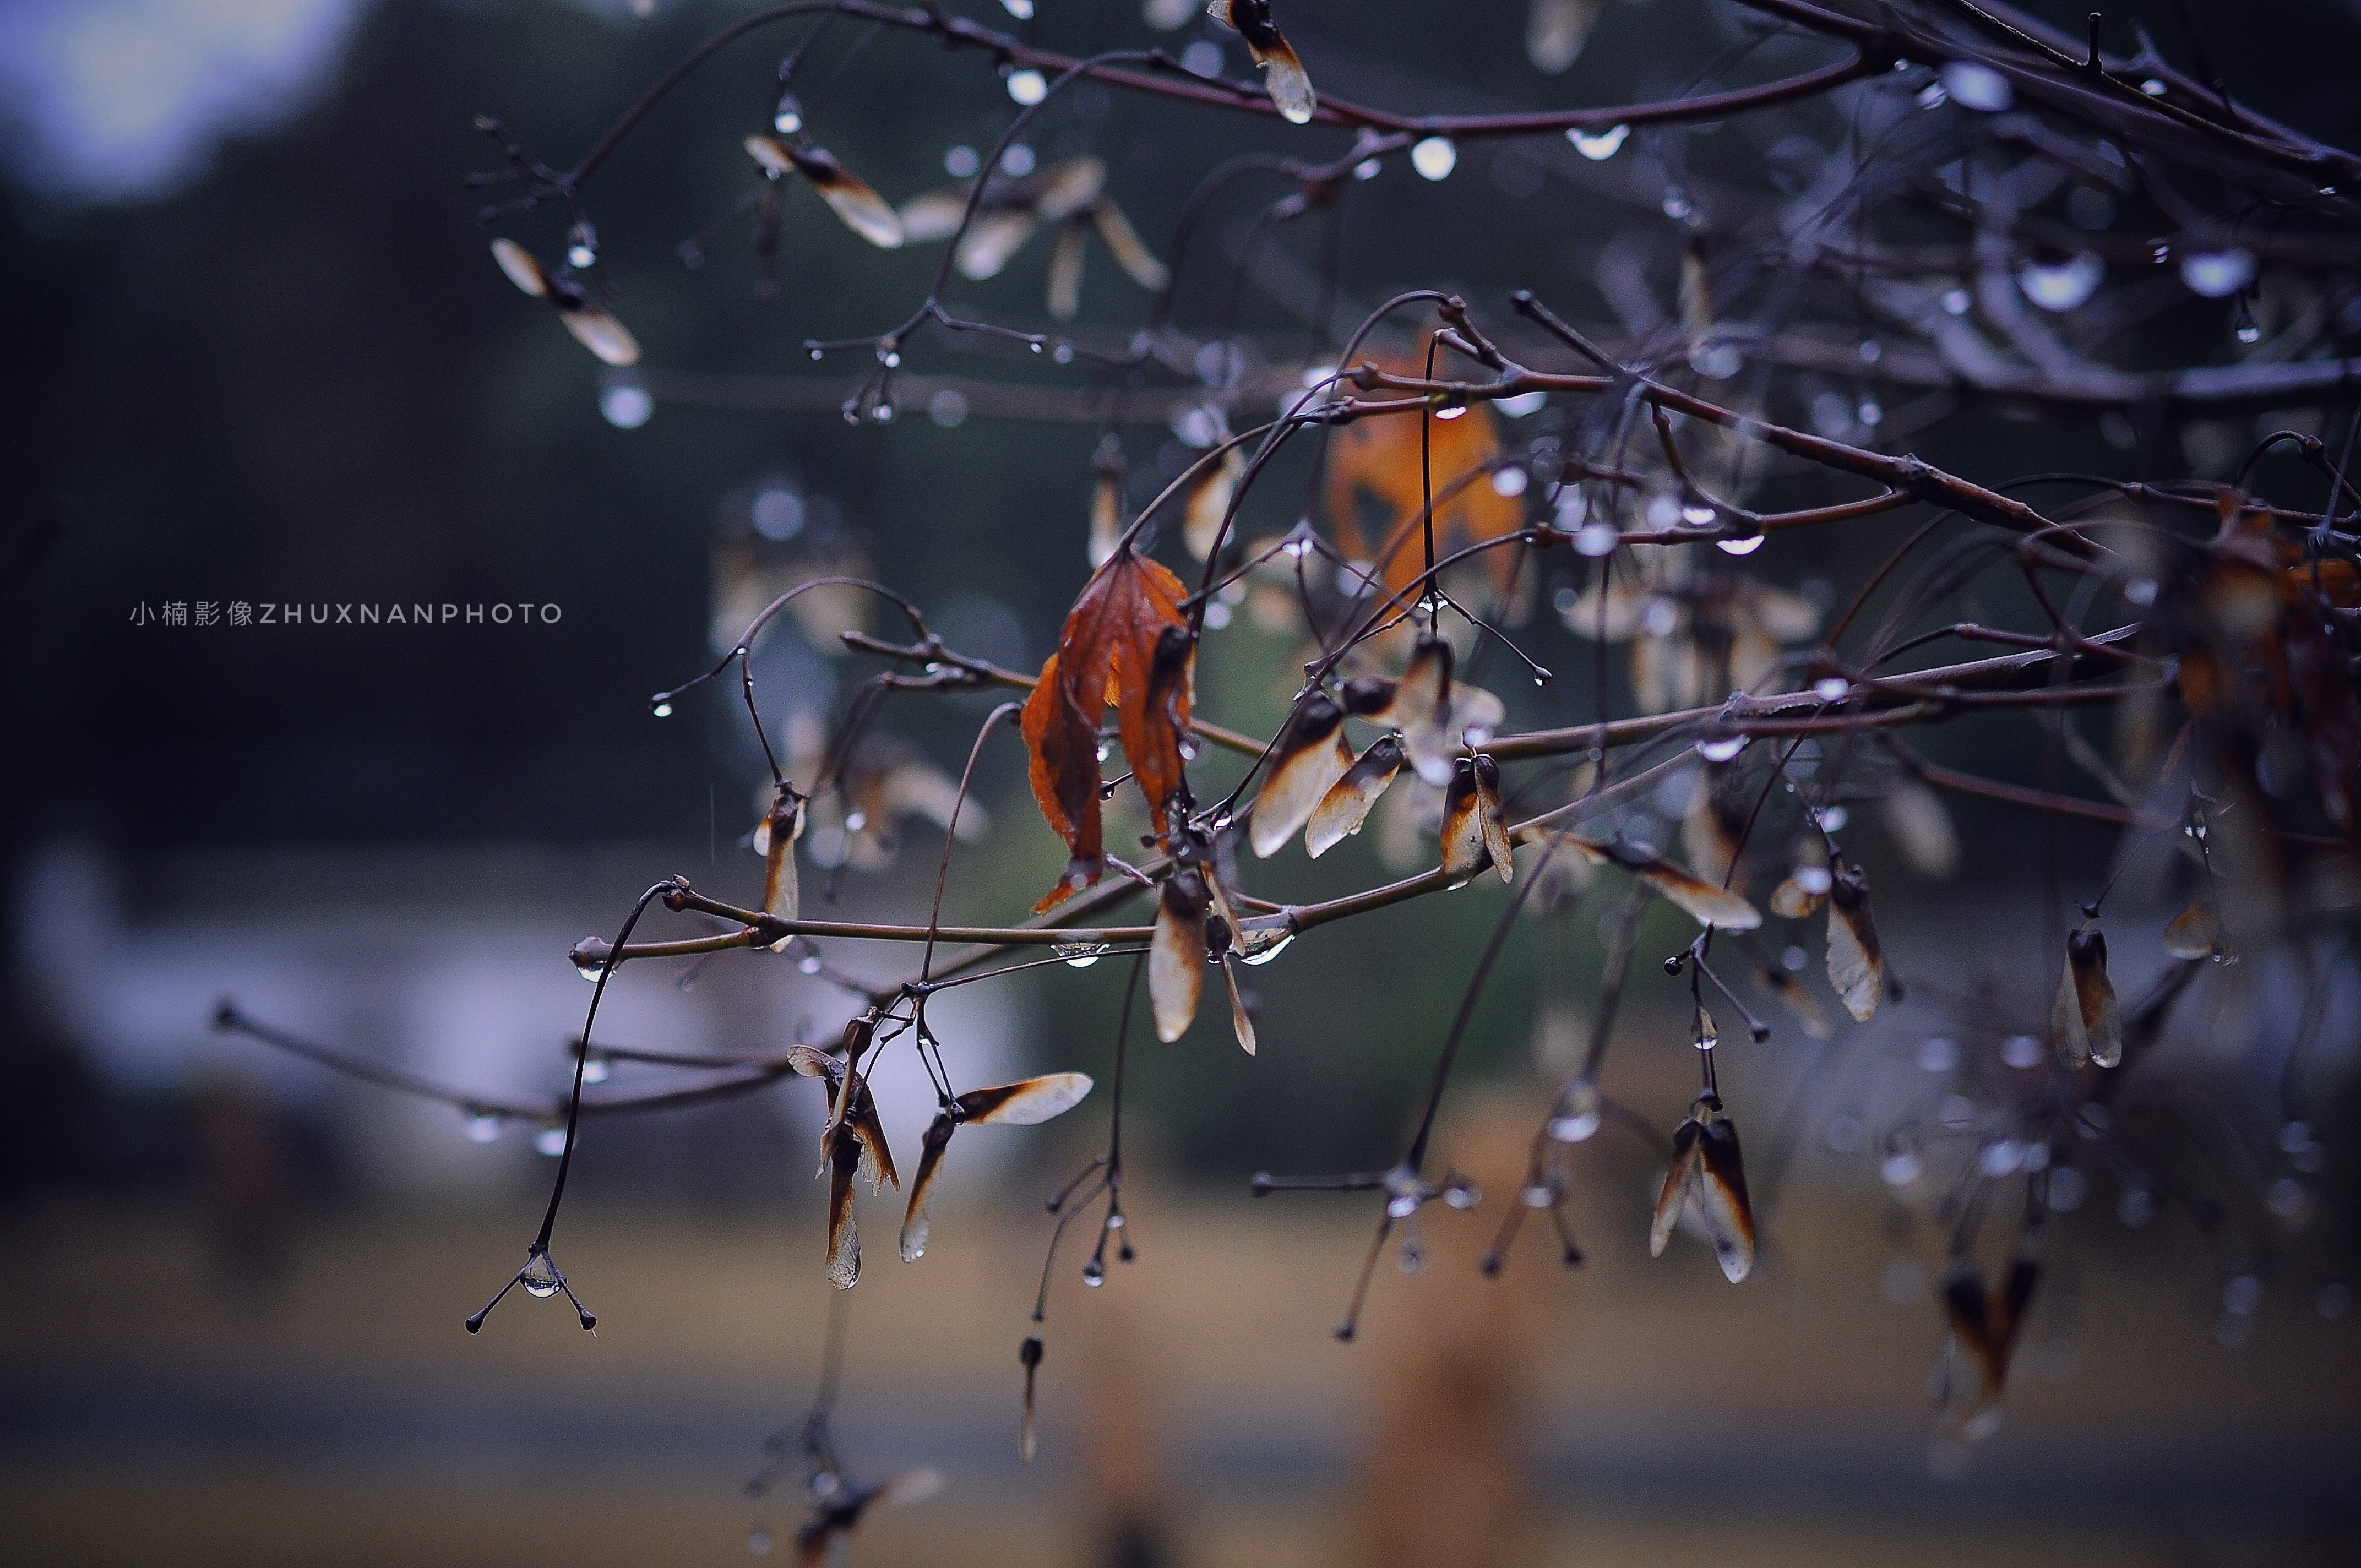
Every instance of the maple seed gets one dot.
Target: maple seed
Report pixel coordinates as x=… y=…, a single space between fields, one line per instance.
x=2195 y=933
x=1348 y=801
x=1209 y=502
x=1704 y=902
x=1309 y=756
x=1024 y=1103
x=1856 y=967
x=1985 y=1328
x=1473 y=834
x=595 y=330
x=774 y=841
x=1176 y=960
x=1707 y=1171
x=2087 y=1023
x=1283 y=76
x=863 y=211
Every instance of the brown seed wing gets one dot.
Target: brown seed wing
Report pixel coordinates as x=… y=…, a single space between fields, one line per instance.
x=917 y=1220
x=992 y=239
x=1176 y=958
x=2094 y=997
x=1687 y=1163
x=1350 y=800
x=523 y=268
x=1309 y=759
x=843 y=1236
x=1856 y=967
x=1721 y=1194
x=1209 y=503
x=1028 y=1102
x=1241 y=1021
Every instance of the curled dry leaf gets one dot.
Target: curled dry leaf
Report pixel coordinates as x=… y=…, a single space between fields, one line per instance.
x=1704 y=902
x=2195 y=932
x=2085 y=1019
x=1308 y=758
x=1707 y=1171
x=862 y=210
x=1348 y=801
x=1127 y=643
x=1176 y=958
x=1283 y=77
x=592 y=328
x=1474 y=836
x=774 y=841
x=1024 y=1103
x=1985 y=1327
x=1856 y=966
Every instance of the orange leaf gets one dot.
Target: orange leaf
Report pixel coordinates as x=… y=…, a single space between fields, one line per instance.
x=1373 y=470
x=1125 y=644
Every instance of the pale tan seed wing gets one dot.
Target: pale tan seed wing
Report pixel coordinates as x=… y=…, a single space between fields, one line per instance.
x=1313 y=756
x=934 y=215
x=522 y=269
x=992 y=239
x=1721 y=1196
x=1241 y=1021
x=1131 y=253
x=1856 y=967
x=1209 y=503
x=863 y=211
x=1687 y=1165
x=1070 y=187
x=2194 y=932
x=603 y=334
x=1065 y=297
x=1028 y=1102
x=1176 y=959
x=1348 y=801
x=917 y=1220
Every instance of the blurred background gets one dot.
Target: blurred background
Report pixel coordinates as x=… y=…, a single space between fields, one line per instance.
x=264 y=359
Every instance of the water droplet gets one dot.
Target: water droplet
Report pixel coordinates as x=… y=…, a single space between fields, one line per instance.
x=1027 y=87
x=1063 y=353
x=947 y=409
x=1272 y=951
x=626 y=405
x=1899 y=1168
x=1114 y=1220
x=484 y=1128
x=1932 y=96
x=1035 y=346
x=817 y=354
x=1832 y=688
x=1871 y=413
x=2002 y=1158
x=1366 y=169
x=1696 y=514
x=1434 y=158
x=788 y=119
x=1598 y=146
x=1677 y=205
x=1596 y=538
x=1832 y=819
x=1020 y=9
x=1577 y=1112
x=1814 y=879
x=539 y=1276
x=2140 y=591
x=591 y=969
x=2153 y=87
x=1939 y=1053
x=581 y=254
x=808 y=964
x=1708 y=1037
x=1871 y=351
x=2217 y=274
x=1956 y=301
x=2244 y=329
x=1536 y=1196
x=1078 y=955
x=1720 y=749
x=1094 y=1274
x=2021 y=1051
x=550 y=1141
x=1451 y=411
x=1461 y=1195
x=1746 y=546
x=882 y=412
x=595 y=1069
x=1509 y=481
x=1974 y=86
x=1404 y=1192
x=2062 y=285
x=889 y=354
x=758 y=1542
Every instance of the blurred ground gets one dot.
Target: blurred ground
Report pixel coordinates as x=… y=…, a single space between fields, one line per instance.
x=153 y=1412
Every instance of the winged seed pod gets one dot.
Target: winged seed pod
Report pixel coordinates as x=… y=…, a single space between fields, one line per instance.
x=1920 y=826
x=2087 y=1023
x=1705 y=903
x=774 y=839
x=1436 y=718
x=836 y=1515
x=1028 y=1355
x=1707 y=1171
x=1346 y=805
x=1131 y=253
x=1310 y=756
x=1222 y=939
x=1473 y=834
x=1176 y=958
x=1799 y=1001
x=1715 y=824
x=1856 y=967
x=863 y=211
x=1025 y=1104
x=1283 y=77
x=1065 y=297
x=1984 y=1328
x=1209 y=502
x=592 y=328
x=2195 y=932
